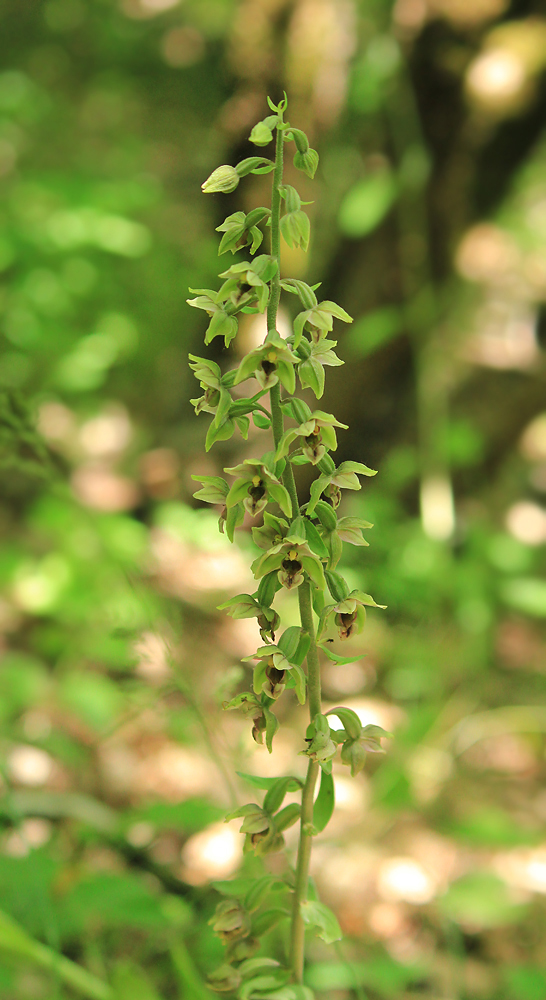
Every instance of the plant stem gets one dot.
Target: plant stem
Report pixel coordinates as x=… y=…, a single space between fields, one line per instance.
x=297 y=929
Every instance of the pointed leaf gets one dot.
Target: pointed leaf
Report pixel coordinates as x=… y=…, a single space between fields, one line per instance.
x=363 y=470
x=311 y=375
x=336 y=658
x=280 y=495
x=271 y=726
x=287 y=816
x=258 y=782
x=235 y=517
x=289 y=641
x=299 y=680
x=324 y=803
x=319 y=915
x=316 y=544
x=275 y=795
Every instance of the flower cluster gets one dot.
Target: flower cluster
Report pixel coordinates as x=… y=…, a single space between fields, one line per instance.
x=299 y=546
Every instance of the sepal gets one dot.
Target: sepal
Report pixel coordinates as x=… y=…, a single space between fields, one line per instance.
x=307 y=162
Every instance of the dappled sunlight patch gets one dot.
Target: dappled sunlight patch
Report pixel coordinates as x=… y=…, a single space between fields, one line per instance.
x=30 y=766
x=97 y=486
x=215 y=852
x=523 y=868
x=403 y=878
x=174 y=772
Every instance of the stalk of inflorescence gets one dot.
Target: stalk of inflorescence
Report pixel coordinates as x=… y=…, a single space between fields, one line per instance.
x=297 y=929
x=300 y=546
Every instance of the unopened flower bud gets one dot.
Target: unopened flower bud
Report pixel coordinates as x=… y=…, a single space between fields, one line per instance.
x=231 y=920
x=225 y=979
x=261 y=135
x=224 y=179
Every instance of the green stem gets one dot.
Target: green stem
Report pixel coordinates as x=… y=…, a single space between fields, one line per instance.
x=275 y=293
x=297 y=929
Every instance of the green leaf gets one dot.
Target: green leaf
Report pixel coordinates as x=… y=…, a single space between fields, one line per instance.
x=337 y=585
x=223 y=407
x=265 y=783
x=235 y=517
x=254 y=165
x=336 y=658
x=221 y=433
x=366 y=204
x=319 y=915
x=306 y=294
x=316 y=489
x=289 y=641
x=299 y=681
x=280 y=495
x=258 y=891
x=264 y=922
x=287 y=375
x=324 y=802
x=261 y=420
x=269 y=585
x=238 y=492
x=314 y=570
x=287 y=816
x=311 y=376
x=271 y=726
x=303 y=648
x=363 y=470
x=316 y=544
x=244 y=606
x=275 y=796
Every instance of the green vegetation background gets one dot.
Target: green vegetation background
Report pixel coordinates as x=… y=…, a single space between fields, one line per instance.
x=430 y=228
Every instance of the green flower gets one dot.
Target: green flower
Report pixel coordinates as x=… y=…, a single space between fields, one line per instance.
x=320 y=745
x=350 y=613
x=330 y=483
x=215 y=489
x=354 y=752
x=318 y=321
x=246 y=606
x=222 y=323
x=318 y=435
x=316 y=356
x=246 y=283
x=271 y=362
x=270 y=674
x=230 y=921
x=291 y=560
x=255 y=486
x=272 y=532
x=241 y=230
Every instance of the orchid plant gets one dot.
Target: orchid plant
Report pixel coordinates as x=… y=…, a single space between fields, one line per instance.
x=300 y=547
